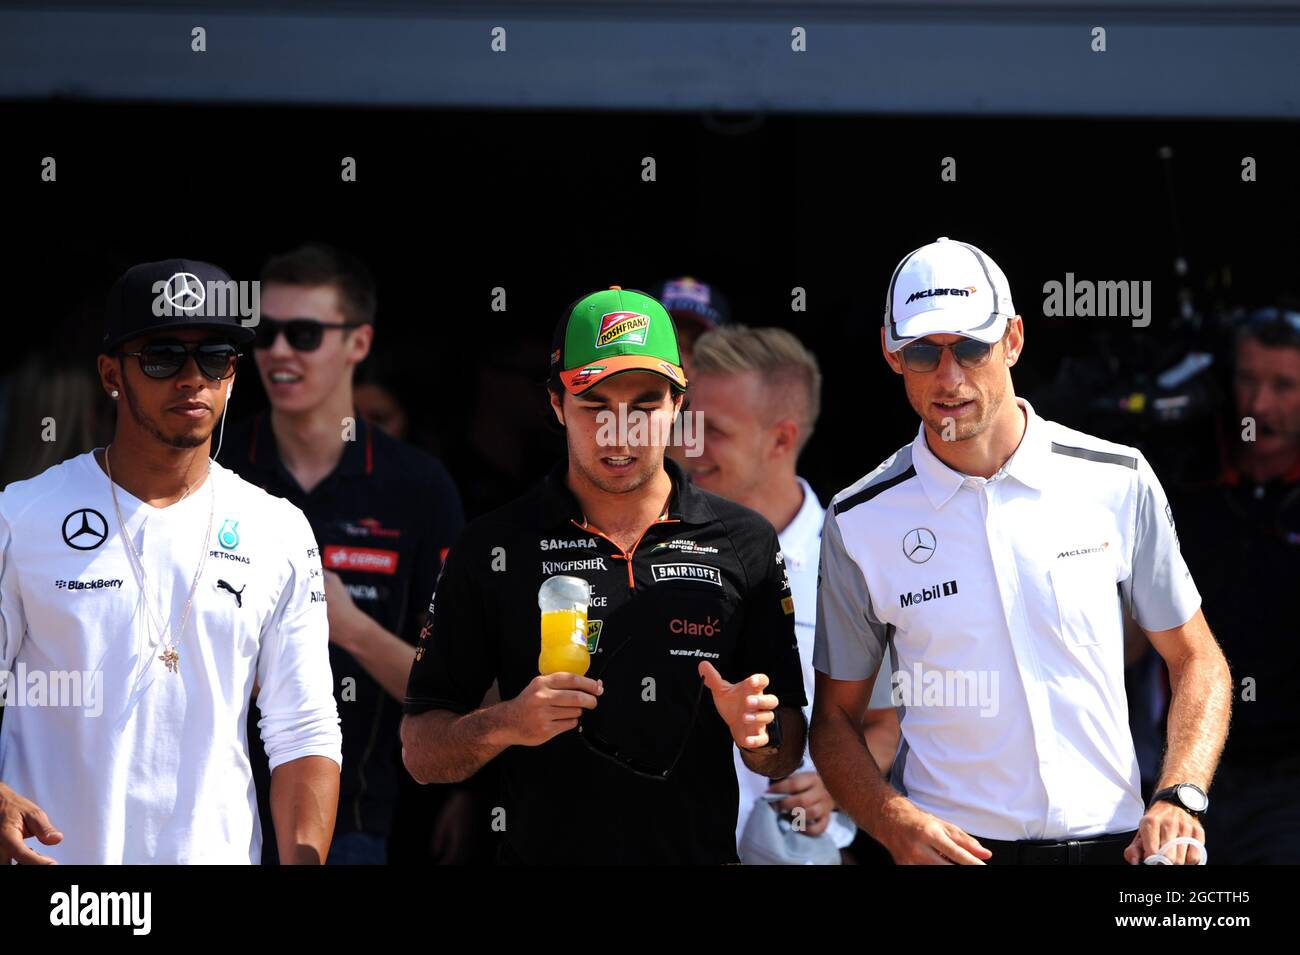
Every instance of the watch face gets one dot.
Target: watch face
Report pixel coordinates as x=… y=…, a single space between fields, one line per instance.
x=1193 y=798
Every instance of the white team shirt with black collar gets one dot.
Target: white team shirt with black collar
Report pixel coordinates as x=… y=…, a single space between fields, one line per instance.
x=153 y=766
x=1003 y=602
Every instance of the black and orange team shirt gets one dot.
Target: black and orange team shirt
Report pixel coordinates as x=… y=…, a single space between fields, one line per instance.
x=383 y=518
x=648 y=776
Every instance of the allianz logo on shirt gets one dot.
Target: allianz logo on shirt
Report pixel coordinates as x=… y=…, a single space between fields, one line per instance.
x=926 y=594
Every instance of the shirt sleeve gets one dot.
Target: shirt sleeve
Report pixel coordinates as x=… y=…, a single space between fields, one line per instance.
x=444 y=522
x=13 y=622
x=1159 y=591
x=456 y=657
x=299 y=715
x=851 y=640
x=768 y=643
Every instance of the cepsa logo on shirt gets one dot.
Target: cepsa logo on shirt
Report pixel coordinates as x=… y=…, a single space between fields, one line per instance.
x=371 y=560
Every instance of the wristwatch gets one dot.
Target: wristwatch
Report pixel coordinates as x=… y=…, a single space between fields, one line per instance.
x=1187 y=795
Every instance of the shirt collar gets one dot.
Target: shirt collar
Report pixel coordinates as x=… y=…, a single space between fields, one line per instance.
x=687 y=503
x=358 y=454
x=1027 y=464
x=799 y=540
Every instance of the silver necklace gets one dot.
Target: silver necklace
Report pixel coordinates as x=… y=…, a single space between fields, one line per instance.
x=171 y=657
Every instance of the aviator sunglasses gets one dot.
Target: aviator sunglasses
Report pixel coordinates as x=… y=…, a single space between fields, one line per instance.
x=165 y=359
x=923 y=356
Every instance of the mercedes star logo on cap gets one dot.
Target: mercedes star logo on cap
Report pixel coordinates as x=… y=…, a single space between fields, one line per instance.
x=85 y=529
x=185 y=292
x=919 y=544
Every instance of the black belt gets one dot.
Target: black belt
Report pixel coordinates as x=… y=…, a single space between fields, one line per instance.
x=1097 y=850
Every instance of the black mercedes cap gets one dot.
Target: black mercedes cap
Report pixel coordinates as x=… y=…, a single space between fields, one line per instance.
x=175 y=294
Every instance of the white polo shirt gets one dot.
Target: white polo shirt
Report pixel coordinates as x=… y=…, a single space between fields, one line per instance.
x=133 y=763
x=1002 y=601
x=800 y=546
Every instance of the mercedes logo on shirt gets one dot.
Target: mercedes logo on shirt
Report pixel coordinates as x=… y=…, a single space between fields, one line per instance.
x=919 y=544
x=85 y=529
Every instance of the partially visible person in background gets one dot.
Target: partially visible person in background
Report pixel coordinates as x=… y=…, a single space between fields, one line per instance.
x=48 y=413
x=759 y=393
x=380 y=405
x=509 y=434
x=696 y=308
x=382 y=511
x=1241 y=539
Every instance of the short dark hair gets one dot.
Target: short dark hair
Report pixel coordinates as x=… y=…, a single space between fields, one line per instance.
x=317 y=263
x=1275 y=326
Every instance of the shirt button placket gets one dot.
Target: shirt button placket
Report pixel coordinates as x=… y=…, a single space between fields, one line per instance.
x=1006 y=571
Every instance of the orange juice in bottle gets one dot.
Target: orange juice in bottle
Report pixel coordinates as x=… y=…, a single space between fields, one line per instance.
x=563 y=602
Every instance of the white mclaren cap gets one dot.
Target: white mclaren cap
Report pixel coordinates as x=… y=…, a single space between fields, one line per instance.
x=946 y=287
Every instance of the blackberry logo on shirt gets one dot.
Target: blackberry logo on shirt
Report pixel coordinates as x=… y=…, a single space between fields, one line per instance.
x=561 y=566
x=926 y=594
x=697 y=573
x=94 y=584
x=626 y=327
x=85 y=529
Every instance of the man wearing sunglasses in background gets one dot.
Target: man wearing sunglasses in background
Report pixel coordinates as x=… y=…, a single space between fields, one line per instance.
x=1242 y=534
x=383 y=512
x=154 y=588
x=690 y=628
x=994 y=558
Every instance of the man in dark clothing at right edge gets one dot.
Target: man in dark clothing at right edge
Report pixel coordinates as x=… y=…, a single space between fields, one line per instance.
x=1241 y=539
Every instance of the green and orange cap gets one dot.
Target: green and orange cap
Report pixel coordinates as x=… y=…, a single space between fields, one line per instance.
x=614 y=331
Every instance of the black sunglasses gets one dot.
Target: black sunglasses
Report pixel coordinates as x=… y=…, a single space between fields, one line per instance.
x=303 y=334
x=165 y=359
x=923 y=356
x=603 y=747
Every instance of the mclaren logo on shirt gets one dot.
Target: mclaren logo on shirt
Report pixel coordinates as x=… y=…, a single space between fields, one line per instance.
x=85 y=529
x=697 y=573
x=1079 y=552
x=926 y=594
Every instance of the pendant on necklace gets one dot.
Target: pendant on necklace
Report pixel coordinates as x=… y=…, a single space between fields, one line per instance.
x=171 y=658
